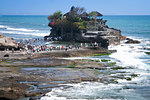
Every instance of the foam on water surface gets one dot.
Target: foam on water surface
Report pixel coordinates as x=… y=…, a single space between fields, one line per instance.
x=129 y=55
x=91 y=91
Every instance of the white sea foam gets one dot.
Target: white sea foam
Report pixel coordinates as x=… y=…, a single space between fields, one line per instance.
x=2 y=26
x=26 y=33
x=92 y=91
x=22 y=29
x=83 y=91
x=129 y=55
x=18 y=29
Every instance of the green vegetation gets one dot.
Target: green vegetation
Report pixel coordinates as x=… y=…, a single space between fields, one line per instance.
x=134 y=75
x=105 y=60
x=73 y=23
x=6 y=61
x=72 y=66
x=89 y=60
x=103 y=54
x=148 y=53
x=57 y=15
x=128 y=79
x=2 y=61
x=111 y=64
x=70 y=23
x=118 y=67
x=96 y=72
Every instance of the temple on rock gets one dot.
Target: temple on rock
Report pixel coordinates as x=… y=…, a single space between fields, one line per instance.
x=80 y=26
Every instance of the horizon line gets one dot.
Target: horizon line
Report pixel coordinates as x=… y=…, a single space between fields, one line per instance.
x=48 y=15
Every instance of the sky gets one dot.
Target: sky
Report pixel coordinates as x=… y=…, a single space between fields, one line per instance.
x=47 y=7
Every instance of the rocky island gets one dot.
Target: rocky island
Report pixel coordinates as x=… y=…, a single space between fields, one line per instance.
x=80 y=26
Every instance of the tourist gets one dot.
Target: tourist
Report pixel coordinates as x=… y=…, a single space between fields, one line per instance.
x=12 y=50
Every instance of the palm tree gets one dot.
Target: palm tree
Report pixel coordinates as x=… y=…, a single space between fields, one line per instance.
x=55 y=16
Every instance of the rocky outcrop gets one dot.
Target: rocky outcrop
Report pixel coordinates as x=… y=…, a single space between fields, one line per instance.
x=131 y=41
x=101 y=34
x=105 y=37
x=6 y=42
x=87 y=28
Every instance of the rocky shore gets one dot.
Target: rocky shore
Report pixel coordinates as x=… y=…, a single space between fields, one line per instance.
x=25 y=75
x=30 y=77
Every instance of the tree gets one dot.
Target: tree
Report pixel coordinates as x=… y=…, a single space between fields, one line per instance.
x=55 y=16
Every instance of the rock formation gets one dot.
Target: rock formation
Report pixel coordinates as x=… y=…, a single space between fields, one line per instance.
x=83 y=27
x=131 y=41
x=6 y=42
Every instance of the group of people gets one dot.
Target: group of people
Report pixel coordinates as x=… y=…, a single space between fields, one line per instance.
x=39 y=45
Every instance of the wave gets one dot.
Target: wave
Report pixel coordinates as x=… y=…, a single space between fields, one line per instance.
x=129 y=55
x=2 y=26
x=92 y=91
x=22 y=29
x=17 y=29
x=25 y=33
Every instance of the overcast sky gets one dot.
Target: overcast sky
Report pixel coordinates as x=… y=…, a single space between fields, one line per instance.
x=46 y=7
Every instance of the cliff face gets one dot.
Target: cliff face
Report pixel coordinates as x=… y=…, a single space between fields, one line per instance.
x=6 y=42
x=92 y=33
x=106 y=37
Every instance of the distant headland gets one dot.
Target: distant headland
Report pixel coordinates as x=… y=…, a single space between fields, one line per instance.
x=79 y=26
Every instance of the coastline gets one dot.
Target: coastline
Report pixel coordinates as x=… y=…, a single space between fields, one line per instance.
x=13 y=77
x=30 y=76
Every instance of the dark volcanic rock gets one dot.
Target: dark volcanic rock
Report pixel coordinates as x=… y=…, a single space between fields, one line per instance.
x=131 y=41
x=2 y=98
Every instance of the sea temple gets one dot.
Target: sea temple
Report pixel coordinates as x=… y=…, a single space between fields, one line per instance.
x=80 y=26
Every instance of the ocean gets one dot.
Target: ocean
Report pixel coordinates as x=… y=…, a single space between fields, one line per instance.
x=24 y=27
x=130 y=56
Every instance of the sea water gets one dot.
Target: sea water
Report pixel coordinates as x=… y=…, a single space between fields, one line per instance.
x=24 y=27
x=131 y=56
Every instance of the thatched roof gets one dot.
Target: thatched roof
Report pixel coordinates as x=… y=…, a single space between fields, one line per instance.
x=99 y=14
x=95 y=13
x=67 y=14
x=84 y=14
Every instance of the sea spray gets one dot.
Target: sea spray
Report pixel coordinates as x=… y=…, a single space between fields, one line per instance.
x=92 y=91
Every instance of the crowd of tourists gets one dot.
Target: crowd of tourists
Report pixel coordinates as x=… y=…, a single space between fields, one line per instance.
x=39 y=45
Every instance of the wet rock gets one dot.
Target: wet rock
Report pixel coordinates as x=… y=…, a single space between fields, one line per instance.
x=3 y=98
x=148 y=53
x=35 y=98
x=123 y=38
x=131 y=41
x=6 y=42
x=7 y=55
